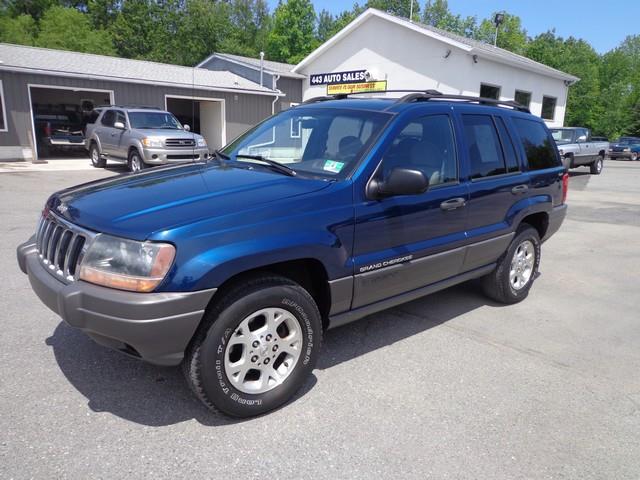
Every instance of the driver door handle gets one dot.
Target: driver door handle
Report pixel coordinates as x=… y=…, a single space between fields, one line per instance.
x=453 y=204
x=519 y=189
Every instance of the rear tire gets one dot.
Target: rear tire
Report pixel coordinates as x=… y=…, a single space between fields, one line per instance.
x=136 y=164
x=512 y=279
x=266 y=369
x=94 y=154
x=596 y=167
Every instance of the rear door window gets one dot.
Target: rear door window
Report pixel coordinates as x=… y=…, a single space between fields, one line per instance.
x=108 y=118
x=538 y=144
x=513 y=165
x=483 y=146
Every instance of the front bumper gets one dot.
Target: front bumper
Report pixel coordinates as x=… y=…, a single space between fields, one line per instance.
x=160 y=156
x=556 y=217
x=615 y=155
x=156 y=327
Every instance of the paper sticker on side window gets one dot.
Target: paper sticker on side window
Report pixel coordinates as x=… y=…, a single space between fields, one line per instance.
x=333 y=166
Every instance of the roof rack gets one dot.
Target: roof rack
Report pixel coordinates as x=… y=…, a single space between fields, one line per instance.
x=129 y=106
x=425 y=95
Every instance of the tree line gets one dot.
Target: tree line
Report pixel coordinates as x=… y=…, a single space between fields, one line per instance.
x=184 y=32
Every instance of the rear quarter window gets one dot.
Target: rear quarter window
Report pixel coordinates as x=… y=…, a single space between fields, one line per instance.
x=539 y=147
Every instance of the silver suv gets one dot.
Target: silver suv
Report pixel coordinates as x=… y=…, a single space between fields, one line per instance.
x=141 y=137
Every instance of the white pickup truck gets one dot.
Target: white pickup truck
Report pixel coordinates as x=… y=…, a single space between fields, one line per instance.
x=577 y=149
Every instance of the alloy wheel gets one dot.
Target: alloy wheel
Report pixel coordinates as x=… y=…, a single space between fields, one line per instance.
x=263 y=350
x=522 y=265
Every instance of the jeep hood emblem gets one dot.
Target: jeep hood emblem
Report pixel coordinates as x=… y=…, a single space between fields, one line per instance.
x=62 y=208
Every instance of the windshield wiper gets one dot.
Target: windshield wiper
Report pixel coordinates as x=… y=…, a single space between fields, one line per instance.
x=220 y=156
x=277 y=166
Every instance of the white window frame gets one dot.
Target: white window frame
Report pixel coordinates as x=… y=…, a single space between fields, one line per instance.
x=5 y=120
x=291 y=130
x=515 y=93
x=499 y=87
x=555 y=107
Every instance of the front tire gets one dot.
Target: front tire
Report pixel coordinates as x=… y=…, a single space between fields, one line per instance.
x=596 y=167
x=255 y=348
x=96 y=160
x=517 y=269
x=136 y=164
x=634 y=156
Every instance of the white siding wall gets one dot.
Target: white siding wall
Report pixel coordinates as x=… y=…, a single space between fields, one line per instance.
x=410 y=60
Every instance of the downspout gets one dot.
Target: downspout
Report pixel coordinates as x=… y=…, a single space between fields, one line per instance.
x=275 y=87
x=261 y=68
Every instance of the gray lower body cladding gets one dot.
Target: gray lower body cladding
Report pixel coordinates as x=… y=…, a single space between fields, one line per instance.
x=156 y=327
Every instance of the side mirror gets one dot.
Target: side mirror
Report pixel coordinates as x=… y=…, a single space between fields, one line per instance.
x=401 y=181
x=186 y=127
x=581 y=139
x=119 y=125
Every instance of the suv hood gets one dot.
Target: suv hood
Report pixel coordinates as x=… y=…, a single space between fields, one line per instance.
x=137 y=205
x=166 y=133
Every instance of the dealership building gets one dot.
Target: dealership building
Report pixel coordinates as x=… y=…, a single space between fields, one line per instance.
x=226 y=94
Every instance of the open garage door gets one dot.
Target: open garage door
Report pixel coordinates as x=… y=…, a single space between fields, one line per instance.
x=59 y=116
x=204 y=115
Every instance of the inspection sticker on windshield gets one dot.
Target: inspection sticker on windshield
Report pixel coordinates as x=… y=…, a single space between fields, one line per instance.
x=332 y=166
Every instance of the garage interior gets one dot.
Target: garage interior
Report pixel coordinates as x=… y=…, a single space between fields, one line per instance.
x=204 y=116
x=62 y=110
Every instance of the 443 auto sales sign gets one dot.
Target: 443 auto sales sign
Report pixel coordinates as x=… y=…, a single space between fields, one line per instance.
x=353 y=76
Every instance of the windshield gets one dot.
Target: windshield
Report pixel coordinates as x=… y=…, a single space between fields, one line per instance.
x=562 y=135
x=627 y=141
x=326 y=142
x=162 y=120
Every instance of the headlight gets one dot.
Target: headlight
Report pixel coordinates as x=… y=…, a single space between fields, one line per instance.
x=126 y=264
x=202 y=142
x=151 y=142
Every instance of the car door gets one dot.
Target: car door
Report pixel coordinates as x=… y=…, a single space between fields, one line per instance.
x=104 y=132
x=409 y=241
x=118 y=136
x=586 y=152
x=496 y=185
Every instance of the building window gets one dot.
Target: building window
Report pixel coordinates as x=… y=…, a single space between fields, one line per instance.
x=489 y=91
x=548 y=108
x=3 y=111
x=523 y=98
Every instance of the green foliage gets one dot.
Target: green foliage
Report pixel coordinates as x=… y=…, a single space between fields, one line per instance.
x=20 y=30
x=67 y=29
x=293 y=33
x=400 y=8
x=437 y=14
x=511 y=35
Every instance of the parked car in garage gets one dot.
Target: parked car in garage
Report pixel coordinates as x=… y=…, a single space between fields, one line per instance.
x=625 y=147
x=58 y=131
x=578 y=149
x=141 y=137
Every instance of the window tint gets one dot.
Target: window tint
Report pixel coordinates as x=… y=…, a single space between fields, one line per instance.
x=121 y=118
x=489 y=91
x=3 y=121
x=538 y=144
x=108 y=118
x=523 y=98
x=548 y=108
x=485 y=154
x=507 y=146
x=425 y=144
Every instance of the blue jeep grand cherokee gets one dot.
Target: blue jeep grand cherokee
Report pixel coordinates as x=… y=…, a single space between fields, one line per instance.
x=320 y=215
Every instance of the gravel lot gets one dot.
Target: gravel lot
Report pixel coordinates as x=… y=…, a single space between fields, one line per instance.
x=449 y=386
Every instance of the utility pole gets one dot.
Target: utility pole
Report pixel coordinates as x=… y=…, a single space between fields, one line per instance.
x=411 y=11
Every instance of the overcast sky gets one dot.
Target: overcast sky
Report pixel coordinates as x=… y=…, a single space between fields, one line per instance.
x=603 y=24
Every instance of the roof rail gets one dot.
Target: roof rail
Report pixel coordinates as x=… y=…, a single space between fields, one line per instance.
x=129 y=106
x=424 y=95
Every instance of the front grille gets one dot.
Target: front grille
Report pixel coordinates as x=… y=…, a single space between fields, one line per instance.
x=180 y=142
x=60 y=246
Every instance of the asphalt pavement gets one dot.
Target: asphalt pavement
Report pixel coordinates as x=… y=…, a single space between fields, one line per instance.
x=451 y=386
